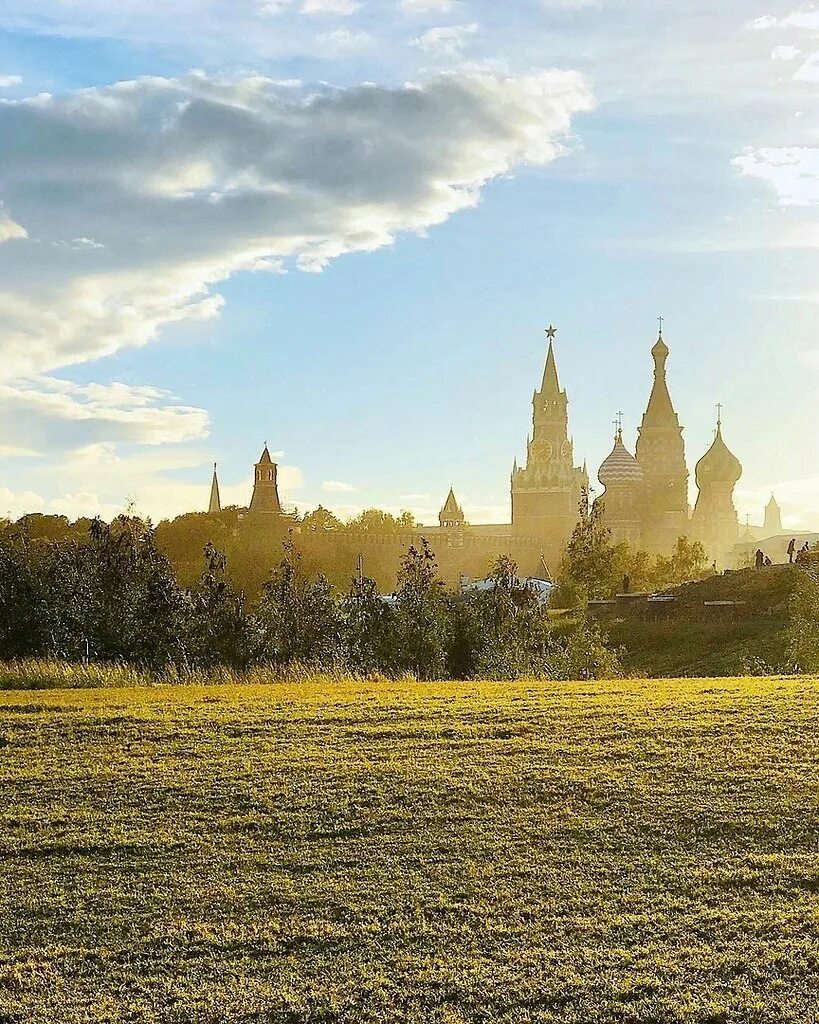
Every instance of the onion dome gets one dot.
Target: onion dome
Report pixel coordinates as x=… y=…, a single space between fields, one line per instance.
x=660 y=350
x=719 y=465
x=620 y=467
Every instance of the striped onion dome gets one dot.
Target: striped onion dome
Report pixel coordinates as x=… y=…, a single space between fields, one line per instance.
x=620 y=467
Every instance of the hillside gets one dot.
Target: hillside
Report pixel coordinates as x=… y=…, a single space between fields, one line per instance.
x=690 y=638
x=399 y=852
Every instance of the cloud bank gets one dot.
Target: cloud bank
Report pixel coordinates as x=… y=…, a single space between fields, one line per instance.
x=181 y=183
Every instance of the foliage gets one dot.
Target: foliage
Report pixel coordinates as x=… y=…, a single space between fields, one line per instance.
x=803 y=632
x=113 y=597
x=588 y=565
x=297 y=618
x=420 y=632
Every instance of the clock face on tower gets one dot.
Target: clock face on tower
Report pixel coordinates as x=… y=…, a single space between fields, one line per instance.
x=548 y=451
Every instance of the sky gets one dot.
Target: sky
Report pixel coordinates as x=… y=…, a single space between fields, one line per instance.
x=340 y=227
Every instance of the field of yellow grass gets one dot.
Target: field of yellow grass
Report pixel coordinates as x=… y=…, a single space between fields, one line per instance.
x=403 y=852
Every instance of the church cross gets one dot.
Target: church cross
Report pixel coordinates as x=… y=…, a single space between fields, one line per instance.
x=661 y=320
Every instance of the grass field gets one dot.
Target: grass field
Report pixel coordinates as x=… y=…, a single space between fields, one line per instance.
x=326 y=852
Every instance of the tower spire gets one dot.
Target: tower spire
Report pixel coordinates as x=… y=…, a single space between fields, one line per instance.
x=550 y=385
x=215 y=500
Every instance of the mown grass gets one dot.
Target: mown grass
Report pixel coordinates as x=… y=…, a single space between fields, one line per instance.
x=330 y=851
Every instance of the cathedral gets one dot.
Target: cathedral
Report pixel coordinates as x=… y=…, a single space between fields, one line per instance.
x=645 y=495
x=644 y=500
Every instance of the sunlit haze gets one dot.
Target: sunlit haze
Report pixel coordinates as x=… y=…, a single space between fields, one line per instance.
x=341 y=226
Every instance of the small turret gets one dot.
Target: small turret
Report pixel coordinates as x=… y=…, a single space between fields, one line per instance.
x=772 y=526
x=451 y=515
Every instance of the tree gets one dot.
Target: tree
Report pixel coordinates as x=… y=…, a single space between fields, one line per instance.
x=219 y=629
x=420 y=642
x=803 y=632
x=297 y=619
x=589 y=565
x=688 y=561
x=321 y=520
x=367 y=627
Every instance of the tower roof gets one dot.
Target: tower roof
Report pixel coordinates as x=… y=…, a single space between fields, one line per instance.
x=551 y=382
x=215 y=504
x=620 y=466
x=451 y=503
x=719 y=464
x=772 y=504
x=660 y=409
x=264 y=458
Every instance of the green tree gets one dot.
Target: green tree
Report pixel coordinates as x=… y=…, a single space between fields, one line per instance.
x=803 y=631
x=297 y=618
x=589 y=568
x=420 y=638
x=367 y=627
x=688 y=561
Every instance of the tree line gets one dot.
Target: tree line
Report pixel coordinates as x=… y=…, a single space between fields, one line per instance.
x=109 y=594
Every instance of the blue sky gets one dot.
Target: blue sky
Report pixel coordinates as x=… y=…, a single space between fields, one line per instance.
x=341 y=227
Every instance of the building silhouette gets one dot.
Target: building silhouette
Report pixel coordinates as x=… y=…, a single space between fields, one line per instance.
x=714 y=522
x=265 y=498
x=660 y=453
x=644 y=501
x=215 y=504
x=451 y=515
x=622 y=478
x=546 y=491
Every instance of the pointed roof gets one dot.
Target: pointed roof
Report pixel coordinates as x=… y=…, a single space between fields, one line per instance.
x=452 y=511
x=215 y=499
x=264 y=458
x=719 y=464
x=660 y=409
x=551 y=382
x=451 y=503
x=772 y=504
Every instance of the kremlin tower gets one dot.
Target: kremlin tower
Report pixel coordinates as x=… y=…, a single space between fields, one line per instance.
x=714 y=522
x=546 y=491
x=265 y=499
x=451 y=515
x=661 y=455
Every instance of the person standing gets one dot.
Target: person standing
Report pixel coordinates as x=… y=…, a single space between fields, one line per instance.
x=791 y=550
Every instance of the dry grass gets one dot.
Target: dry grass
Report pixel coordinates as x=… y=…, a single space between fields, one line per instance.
x=333 y=851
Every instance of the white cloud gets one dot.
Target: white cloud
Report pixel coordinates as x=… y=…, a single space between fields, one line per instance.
x=10 y=229
x=428 y=6
x=14 y=504
x=44 y=414
x=792 y=171
x=336 y=486
x=342 y=41
x=6 y=81
x=785 y=52
x=446 y=40
x=763 y=23
x=281 y=177
x=341 y=7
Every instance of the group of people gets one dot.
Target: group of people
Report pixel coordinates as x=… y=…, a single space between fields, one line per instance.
x=761 y=560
